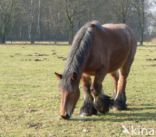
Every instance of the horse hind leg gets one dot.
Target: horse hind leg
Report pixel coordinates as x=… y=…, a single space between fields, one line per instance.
x=88 y=108
x=115 y=77
x=120 y=98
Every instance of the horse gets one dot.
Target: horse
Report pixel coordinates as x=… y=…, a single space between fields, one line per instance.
x=97 y=50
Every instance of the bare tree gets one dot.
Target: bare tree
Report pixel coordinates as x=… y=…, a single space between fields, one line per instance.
x=140 y=10
x=70 y=13
x=30 y=27
x=59 y=19
x=120 y=9
x=6 y=18
x=39 y=18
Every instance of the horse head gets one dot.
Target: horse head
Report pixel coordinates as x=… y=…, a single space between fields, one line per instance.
x=70 y=93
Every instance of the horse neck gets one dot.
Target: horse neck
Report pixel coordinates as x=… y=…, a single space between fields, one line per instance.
x=81 y=47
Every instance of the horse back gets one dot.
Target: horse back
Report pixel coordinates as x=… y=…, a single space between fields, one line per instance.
x=113 y=46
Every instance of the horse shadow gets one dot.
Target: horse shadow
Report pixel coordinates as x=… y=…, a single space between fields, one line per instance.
x=134 y=114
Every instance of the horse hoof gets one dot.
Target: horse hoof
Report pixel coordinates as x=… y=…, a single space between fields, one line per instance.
x=102 y=103
x=88 y=109
x=119 y=106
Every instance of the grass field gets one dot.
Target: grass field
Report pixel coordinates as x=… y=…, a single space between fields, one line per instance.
x=29 y=97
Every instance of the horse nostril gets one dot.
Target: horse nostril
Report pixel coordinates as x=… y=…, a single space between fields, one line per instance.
x=66 y=116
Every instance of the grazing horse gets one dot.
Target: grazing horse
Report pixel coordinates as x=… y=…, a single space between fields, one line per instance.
x=97 y=50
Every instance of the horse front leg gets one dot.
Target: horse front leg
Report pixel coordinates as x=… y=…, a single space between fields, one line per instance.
x=88 y=108
x=101 y=102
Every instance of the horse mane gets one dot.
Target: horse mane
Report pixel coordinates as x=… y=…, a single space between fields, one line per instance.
x=79 y=52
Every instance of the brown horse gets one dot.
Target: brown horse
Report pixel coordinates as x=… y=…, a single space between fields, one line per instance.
x=97 y=50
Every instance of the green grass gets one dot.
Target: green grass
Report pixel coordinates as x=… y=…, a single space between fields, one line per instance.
x=29 y=97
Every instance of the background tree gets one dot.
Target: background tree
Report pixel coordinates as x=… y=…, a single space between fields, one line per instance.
x=6 y=18
x=121 y=9
x=58 y=20
x=140 y=12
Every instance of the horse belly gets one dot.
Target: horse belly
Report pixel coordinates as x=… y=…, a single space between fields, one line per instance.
x=114 y=67
x=92 y=66
x=90 y=69
x=117 y=60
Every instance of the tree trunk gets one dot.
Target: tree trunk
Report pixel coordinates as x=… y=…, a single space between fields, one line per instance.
x=142 y=36
x=140 y=9
x=32 y=41
x=38 y=19
x=31 y=24
x=3 y=39
x=70 y=17
x=71 y=33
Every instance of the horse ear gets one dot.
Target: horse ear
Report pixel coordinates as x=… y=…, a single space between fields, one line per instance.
x=59 y=76
x=74 y=76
